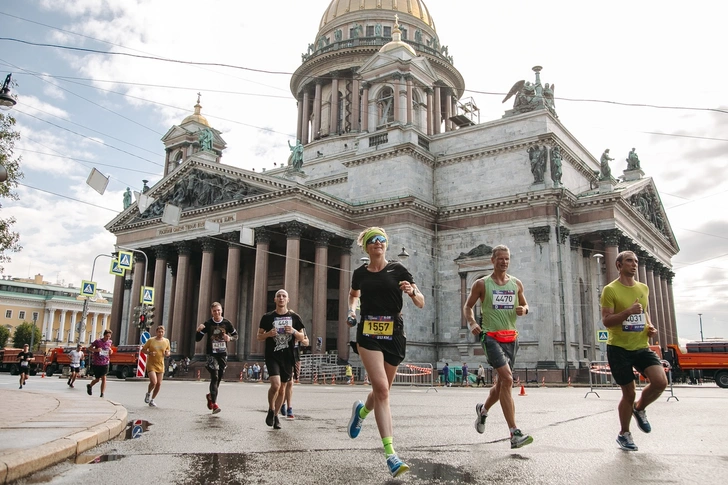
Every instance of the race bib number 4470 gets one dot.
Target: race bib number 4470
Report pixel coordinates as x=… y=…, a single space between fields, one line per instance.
x=634 y=323
x=504 y=299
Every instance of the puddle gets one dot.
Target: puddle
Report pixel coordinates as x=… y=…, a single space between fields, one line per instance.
x=135 y=428
x=215 y=468
x=428 y=470
x=91 y=459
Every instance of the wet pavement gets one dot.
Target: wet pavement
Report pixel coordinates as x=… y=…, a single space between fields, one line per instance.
x=574 y=439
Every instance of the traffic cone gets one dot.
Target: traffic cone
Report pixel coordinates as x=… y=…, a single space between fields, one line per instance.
x=568 y=383
x=523 y=391
x=315 y=378
x=198 y=374
x=333 y=379
x=241 y=377
x=42 y=374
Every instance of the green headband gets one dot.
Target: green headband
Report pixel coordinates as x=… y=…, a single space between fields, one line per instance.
x=371 y=233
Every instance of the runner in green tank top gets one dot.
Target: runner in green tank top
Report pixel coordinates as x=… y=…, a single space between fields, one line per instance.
x=502 y=302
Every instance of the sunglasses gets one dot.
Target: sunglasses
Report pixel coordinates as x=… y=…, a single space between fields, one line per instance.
x=377 y=239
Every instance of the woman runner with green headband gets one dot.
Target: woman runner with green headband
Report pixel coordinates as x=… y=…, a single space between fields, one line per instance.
x=380 y=334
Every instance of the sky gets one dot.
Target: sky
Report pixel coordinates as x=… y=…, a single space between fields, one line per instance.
x=624 y=74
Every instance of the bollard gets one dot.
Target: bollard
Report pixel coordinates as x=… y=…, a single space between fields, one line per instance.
x=241 y=377
x=333 y=379
x=198 y=374
x=568 y=382
x=543 y=382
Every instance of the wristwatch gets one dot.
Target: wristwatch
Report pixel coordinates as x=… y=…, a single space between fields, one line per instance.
x=414 y=291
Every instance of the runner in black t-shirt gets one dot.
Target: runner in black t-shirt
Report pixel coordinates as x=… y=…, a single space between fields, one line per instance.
x=25 y=358
x=219 y=332
x=380 y=335
x=280 y=329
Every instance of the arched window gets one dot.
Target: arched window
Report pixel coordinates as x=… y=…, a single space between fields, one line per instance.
x=385 y=107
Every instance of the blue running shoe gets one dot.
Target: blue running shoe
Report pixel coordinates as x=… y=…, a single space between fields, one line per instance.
x=625 y=442
x=396 y=466
x=355 y=422
x=641 y=418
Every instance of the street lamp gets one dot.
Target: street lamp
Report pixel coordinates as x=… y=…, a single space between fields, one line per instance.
x=701 y=327
x=599 y=271
x=6 y=99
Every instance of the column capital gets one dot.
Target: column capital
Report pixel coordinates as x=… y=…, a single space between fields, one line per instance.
x=665 y=272
x=611 y=237
x=184 y=248
x=428 y=91
x=541 y=234
x=232 y=238
x=293 y=229
x=650 y=263
x=262 y=235
x=138 y=258
x=575 y=242
x=322 y=238
x=397 y=76
x=172 y=265
x=162 y=252
x=207 y=244
x=670 y=276
x=563 y=234
x=345 y=245
x=365 y=84
x=127 y=284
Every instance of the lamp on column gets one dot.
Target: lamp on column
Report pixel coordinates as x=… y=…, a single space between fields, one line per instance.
x=599 y=272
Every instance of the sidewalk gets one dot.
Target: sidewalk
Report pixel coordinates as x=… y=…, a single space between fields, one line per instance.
x=39 y=429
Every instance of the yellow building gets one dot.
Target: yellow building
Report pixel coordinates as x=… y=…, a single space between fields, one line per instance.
x=56 y=310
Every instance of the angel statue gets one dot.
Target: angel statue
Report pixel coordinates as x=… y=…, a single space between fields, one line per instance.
x=633 y=161
x=606 y=172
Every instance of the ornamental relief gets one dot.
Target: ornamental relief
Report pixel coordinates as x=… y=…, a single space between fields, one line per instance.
x=647 y=204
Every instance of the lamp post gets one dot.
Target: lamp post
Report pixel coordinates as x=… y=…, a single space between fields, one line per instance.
x=81 y=325
x=7 y=101
x=701 y=327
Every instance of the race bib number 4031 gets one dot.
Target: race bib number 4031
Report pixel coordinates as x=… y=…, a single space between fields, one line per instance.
x=634 y=323
x=504 y=299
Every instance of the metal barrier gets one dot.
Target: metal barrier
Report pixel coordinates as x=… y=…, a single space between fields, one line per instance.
x=414 y=374
x=668 y=369
x=600 y=376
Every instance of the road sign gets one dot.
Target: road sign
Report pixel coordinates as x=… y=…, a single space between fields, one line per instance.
x=137 y=429
x=115 y=269
x=88 y=288
x=144 y=337
x=602 y=336
x=126 y=259
x=147 y=296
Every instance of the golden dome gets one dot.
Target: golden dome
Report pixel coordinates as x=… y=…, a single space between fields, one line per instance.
x=416 y=8
x=196 y=116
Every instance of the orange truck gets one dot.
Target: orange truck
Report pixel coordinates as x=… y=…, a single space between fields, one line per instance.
x=122 y=363
x=9 y=361
x=709 y=358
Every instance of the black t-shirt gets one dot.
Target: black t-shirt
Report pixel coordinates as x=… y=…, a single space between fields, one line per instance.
x=380 y=293
x=282 y=342
x=216 y=344
x=24 y=358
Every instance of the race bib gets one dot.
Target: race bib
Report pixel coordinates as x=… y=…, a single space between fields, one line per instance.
x=381 y=327
x=104 y=352
x=634 y=323
x=24 y=363
x=219 y=346
x=504 y=299
x=282 y=323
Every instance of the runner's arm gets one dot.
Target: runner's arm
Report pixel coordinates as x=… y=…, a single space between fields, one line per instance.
x=522 y=308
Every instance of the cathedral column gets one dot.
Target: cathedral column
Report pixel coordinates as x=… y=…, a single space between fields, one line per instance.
x=138 y=279
x=317 y=112
x=48 y=324
x=611 y=250
x=117 y=306
x=180 y=321
x=305 y=117
x=448 y=110
x=641 y=269
x=396 y=106
x=299 y=115
x=343 y=334
x=669 y=323
x=232 y=288
x=334 y=106
x=160 y=282
x=172 y=265
x=365 y=107
x=293 y=230
x=410 y=100
x=260 y=287
x=319 y=291
x=652 y=309
x=671 y=309
x=437 y=121
x=430 y=112
x=661 y=323
x=355 y=106
x=205 y=296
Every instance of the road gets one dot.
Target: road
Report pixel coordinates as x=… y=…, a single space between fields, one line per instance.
x=574 y=438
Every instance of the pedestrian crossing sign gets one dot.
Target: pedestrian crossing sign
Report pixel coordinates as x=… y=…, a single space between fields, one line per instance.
x=88 y=288
x=602 y=336
x=125 y=259
x=147 y=295
x=115 y=269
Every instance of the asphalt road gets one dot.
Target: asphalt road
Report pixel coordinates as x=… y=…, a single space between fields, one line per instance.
x=574 y=439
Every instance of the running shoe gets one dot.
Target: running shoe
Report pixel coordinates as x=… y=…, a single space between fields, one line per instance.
x=518 y=439
x=152 y=404
x=209 y=401
x=355 y=422
x=72 y=387
x=215 y=408
x=625 y=442
x=102 y=395
x=147 y=397
x=21 y=386
x=276 y=423
x=269 y=417
x=641 y=418
x=88 y=390
x=283 y=410
x=480 y=420
x=396 y=466
x=68 y=382
x=289 y=414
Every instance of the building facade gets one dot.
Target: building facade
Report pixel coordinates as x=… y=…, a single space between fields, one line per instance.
x=385 y=138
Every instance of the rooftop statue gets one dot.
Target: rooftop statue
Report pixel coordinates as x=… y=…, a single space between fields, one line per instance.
x=556 y=170
x=633 y=161
x=529 y=97
x=537 y=156
x=127 y=198
x=296 y=155
x=205 y=140
x=605 y=171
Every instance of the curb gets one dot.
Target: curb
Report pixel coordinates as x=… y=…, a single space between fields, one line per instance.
x=23 y=463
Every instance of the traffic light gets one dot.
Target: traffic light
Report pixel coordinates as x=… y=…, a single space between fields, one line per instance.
x=143 y=321
x=150 y=316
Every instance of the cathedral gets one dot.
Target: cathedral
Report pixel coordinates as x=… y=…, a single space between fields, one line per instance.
x=386 y=137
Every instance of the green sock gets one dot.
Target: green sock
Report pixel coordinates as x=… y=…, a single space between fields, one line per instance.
x=364 y=412
x=388 y=448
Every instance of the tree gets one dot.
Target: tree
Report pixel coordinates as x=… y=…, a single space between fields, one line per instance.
x=9 y=240
x=4 y=336
x=22 y=335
